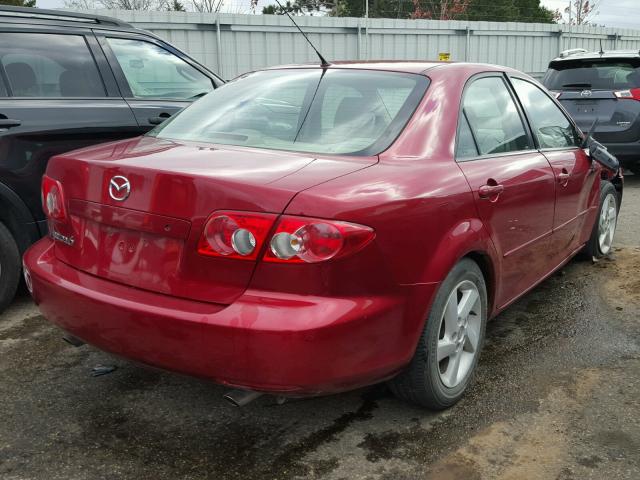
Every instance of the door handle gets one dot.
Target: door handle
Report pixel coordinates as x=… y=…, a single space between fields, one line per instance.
x=9 y=122
x=490 y=191
x=563 y=177
x=159 y=119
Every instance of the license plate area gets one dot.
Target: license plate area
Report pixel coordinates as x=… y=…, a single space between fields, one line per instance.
x=126 y=246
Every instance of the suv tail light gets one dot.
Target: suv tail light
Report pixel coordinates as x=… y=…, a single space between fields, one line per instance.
x=309 y=240
x=632 y=94
x=235 y=234
x=53 y=199
x=295 y=239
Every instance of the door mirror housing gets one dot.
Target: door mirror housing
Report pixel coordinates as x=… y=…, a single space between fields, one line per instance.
x=600 y=154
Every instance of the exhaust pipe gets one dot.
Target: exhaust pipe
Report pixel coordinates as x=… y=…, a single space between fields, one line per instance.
x=239 y=398
x=71 y=340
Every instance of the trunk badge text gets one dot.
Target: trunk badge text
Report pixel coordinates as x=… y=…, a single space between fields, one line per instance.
x=63 y=238
x=119 y=188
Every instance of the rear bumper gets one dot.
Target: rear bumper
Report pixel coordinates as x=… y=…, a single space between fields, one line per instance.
x=290 y=344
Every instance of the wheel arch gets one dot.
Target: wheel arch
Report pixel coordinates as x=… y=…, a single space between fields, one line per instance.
x=17 y=218
x=468 y=239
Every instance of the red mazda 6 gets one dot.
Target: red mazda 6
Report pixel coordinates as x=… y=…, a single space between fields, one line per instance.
x=306 y=230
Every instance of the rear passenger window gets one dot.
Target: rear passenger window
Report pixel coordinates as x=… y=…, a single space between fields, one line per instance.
x=550 y=126
x=466 y=147
x=44 y=65
x=494 y=118
x=153 y=72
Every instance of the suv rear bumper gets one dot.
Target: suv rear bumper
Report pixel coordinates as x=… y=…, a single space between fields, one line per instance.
x=265 y=341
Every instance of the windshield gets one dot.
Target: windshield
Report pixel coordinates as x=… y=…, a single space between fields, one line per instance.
x=595 y=74
x=357 y=112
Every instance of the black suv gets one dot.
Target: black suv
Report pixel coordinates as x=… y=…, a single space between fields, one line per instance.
x=606 y=86
x=69 y=80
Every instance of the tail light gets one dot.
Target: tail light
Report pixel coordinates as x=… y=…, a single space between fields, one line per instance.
x=555 y=93
x=295 y=239
x=309 y=240
x=235 y=234
x=632 y=94
x=53 y=199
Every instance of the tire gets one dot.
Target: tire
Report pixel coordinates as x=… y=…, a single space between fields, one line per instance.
x=427 y=381
x=10 y=267
x=595 y=247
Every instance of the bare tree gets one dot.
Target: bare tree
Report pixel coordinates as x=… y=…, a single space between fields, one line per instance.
x=115 y=4
x=579 y=12
x=207 y=6
x=81 y=4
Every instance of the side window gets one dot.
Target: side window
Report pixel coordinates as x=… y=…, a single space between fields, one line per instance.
x=466 y=147
x=153 y=72
x=550 y=126
x=494 y=118
x=49 y=65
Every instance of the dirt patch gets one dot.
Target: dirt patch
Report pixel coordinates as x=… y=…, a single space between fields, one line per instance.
x=623 y=284
x=535 y=445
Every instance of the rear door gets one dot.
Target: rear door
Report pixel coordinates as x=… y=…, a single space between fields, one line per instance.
x=60 y=95
x=156 y=80
x=512 y=183
x=606 y=89
x=575 y=174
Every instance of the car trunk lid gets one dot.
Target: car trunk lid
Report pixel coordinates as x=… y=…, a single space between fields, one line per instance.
x=148 y=238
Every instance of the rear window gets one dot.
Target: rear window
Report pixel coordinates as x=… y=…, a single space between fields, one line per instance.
x=594 y=74
x=335 y=111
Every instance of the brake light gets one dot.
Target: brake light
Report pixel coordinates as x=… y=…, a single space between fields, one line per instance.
x=632 y=94
x=309 y=240
x=235 y=234
x=53 y=199
x=242 y=235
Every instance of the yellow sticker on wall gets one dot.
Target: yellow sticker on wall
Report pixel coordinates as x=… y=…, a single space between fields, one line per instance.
x=444 y=56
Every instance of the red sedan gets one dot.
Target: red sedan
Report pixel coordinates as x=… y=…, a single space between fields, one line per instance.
x=306 y=230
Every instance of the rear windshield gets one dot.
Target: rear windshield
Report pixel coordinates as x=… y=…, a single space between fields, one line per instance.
x=594 y=74
x=333 y=111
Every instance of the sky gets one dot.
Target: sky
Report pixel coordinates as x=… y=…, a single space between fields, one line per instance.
x=611 y=13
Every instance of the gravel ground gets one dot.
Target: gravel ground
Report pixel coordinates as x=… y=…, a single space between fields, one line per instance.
x=557 y=396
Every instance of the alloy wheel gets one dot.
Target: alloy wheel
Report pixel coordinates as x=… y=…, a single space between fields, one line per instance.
x=607 y=223
x=459 y=334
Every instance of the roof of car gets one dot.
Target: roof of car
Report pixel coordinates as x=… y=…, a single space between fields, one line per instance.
x=10 y=13
x=407 y=66
x=595 y=55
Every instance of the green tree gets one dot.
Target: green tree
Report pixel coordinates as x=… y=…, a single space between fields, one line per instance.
x=509 y=11
x=19 y=3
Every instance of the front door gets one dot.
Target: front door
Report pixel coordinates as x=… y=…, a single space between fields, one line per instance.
x=512 y=183
x=576 y=178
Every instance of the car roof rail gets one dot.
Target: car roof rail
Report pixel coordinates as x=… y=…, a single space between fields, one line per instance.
x=572 y=51
x=8 y=11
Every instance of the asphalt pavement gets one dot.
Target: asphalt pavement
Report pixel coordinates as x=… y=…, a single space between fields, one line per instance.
x=557 y=396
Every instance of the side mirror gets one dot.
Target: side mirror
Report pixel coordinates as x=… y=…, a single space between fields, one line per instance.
x=600 y=154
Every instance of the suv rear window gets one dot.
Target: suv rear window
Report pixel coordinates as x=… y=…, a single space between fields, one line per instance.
x=593 y=74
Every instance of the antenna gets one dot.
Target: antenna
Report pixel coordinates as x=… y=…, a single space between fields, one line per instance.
x=323 y=62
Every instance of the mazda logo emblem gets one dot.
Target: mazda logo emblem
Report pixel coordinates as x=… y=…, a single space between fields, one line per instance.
x=585 y=93
x=119 y=188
